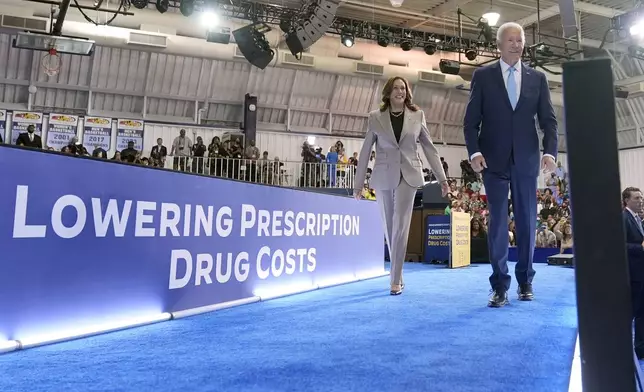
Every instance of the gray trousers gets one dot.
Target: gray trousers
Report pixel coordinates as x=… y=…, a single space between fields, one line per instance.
x=396 y=207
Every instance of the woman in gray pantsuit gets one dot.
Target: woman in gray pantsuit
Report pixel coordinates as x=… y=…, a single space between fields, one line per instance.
x=395 y=129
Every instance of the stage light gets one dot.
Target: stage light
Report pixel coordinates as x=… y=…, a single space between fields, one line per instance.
x=139 y=4
x=430 y=49
x=637 y=29
x=253 y=44
x=396 y=3
x=162 y=5
x=347 y=39
x=209 y=19
x=492 y=18
x=187 y=7
x=406 y=46
x=311 y=140
x=470 y=54
x=383 y=41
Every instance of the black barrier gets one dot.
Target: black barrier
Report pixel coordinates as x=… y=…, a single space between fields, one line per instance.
x=601 y=269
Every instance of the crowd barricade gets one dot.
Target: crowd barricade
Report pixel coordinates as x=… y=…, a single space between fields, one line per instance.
x=270 y=172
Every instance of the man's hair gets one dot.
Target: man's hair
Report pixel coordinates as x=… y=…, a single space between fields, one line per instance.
x=506 y=26
x=627 y=193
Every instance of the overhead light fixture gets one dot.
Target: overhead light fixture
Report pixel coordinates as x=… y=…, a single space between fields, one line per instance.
x=406 y=46
x=347 y=38
x=187 y=7
x=162 y=5
x=139 y=4
x=396 y=3
x=492 y=18
x=383 y=41
x=470 y=54
x=430 y=49
x=209 y=18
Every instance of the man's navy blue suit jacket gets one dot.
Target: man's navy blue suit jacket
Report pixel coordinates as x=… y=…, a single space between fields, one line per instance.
x=504 y=135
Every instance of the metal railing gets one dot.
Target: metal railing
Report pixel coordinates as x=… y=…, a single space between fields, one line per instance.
x=266 y=171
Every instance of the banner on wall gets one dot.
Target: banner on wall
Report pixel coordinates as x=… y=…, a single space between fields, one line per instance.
x=439 y=233
x=460 y=240
x=3 y=124
x=150 y=252
x=21 y=120
x=97 y=132
x=62 y=128
x=129 y=131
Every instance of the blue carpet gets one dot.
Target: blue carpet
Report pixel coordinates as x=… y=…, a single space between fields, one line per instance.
x=437 y=336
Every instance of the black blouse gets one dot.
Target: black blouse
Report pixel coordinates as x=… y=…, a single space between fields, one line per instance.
x=397 y=123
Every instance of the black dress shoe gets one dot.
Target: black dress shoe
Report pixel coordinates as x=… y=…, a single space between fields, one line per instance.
x=525 y=292
x=498 y=299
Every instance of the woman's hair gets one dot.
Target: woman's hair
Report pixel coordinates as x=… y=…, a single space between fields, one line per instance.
x=386 y=93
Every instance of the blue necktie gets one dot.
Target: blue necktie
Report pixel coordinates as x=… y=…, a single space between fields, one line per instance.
x=512 y=88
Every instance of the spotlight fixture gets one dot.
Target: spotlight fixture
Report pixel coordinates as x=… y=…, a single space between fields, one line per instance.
x=253 y=44
x=162 y=6
x=470 y=54
x=347 y=38
x=396 y=3
x=406 y=46
x=430 y=49
x=492 y=18
x=285 y=25
x=209 y=19
x=187 y=7
x=383 y=41
x=139 y=4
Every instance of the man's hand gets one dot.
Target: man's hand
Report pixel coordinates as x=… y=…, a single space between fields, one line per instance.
x=357 y=194
x=478 y=163
x=548 y=164
x=444 y=188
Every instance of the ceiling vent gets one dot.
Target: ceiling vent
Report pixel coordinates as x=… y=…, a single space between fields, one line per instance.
x=431 y=77
x=22 y=23
x=369 y=69
x=306 y=60
x=144 y=39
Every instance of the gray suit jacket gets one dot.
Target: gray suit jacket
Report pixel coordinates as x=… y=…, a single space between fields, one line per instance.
x=394 y=158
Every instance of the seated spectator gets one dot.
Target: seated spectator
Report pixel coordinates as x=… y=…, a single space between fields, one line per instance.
x=130 y=153
x=545 y=237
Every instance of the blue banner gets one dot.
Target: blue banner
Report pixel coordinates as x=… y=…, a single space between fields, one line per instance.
x=62 y=128
x=97 y=132
x=129 y=131
x=22 y=120
x=112 y=245
x=438 y=238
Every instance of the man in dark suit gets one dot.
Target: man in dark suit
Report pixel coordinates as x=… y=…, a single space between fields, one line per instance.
x=29 y=138
x=502 y=141
x=632 y=199
x=158 y=153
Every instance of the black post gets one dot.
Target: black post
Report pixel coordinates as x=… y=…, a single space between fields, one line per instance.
x=601 y=269
x=62 y=13
x=250 y=119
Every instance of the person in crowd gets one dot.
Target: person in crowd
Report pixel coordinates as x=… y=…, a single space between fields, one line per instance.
x=632 y=202
x=29 y=138
x=501 y=138
x=180 y=150
x=158 y=154
x=198 y=153
x=99 y=152
x=395 y=129
x=545 y=237
x=130 y=154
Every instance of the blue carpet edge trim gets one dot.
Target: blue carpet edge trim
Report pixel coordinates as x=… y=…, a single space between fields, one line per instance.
x=16 y=345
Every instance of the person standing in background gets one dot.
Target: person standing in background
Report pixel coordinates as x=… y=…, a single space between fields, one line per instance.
x=632 y=202
x=395 y=129
x=502 y=142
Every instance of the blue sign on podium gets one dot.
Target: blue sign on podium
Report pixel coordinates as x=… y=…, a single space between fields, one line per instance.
x=438 y=238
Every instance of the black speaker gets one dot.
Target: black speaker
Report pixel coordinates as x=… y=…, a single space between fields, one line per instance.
x=449 y=67
x=254 y=46
x=313 y=28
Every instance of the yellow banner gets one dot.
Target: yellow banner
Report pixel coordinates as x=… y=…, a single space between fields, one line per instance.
x=460 y=242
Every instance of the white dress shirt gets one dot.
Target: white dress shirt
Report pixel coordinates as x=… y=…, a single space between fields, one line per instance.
x=505 y=69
